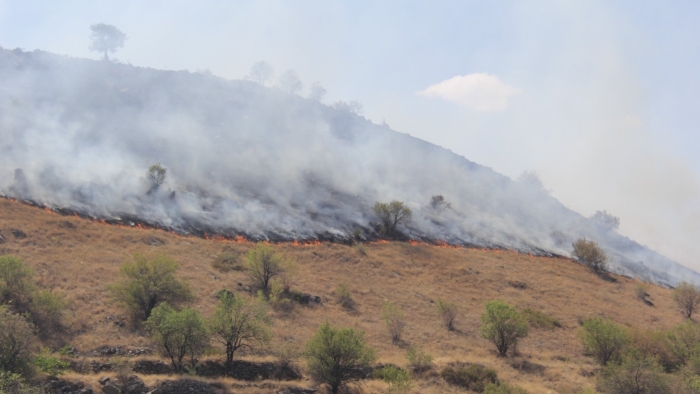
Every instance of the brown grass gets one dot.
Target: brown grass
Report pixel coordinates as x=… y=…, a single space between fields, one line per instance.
x=84 y=256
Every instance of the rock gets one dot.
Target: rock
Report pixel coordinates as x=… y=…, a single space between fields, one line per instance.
x=103 y=380
x=518 y=285
x=186 y=386
x=60 y=386
x=19 y=234
x=2 y=238
x=111 y=388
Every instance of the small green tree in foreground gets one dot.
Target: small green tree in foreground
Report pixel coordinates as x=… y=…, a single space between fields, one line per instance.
x=687 y=297
x=264 y=264
x=16 y=285
x=147 y=282
x=178 y=334
x=604 y=339
x=335 y=354
x=589 y=253
x=239 y=323
x=391 y=215
x=503 y=326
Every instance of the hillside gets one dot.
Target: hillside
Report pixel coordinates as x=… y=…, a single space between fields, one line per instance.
x=245 y=160
x=80 y=258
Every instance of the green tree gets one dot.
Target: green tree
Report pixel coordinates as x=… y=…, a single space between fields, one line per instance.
x=106 y=38
x=46 y=310
x=264 y=265
x=604 y=340
x=157 y=174
x=684 y=342
x=589 y=253
x=238 y=323
x=391 y=215
x=16 y=285
x=50 y=364
x=12 y=383
x=335 y=354
x=399 y=380
x=393 y=316
x=146 y=282
x=687 y=297
x=448 y=312
x=635 y=375
x=418 y=360
x=178 y=334
x=502 y=325
x=17 y=341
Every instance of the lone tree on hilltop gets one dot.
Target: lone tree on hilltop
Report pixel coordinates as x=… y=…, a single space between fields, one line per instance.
x=589 y=253
x=106 y=38
x=687 y=296
x=606 y=220
x=261 y=72
x=391 y=215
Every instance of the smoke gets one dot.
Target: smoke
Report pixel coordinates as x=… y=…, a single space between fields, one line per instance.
x=243 y=159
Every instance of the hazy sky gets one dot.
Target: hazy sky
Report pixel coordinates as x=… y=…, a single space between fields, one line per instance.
x=602 y=99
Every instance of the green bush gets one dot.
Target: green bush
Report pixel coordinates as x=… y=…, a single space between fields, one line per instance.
x=16 y=284
x=474 y=377
x=503 y=326
x=393 y=316
x=178 y=334
x=654 y=344
x=17 y=341
x=687 y=297
x=541 y=320
x=263 y=264
x=391 y=215
x=12 y=383
x=604 y=340
x=418 y=360
x=50 y=364
x=148 y=281
x=589 y=253
x=684 y=341
x=503 y=388
x=46 y=310
x=238 y=323
x=227 y=262
x=635 y=375
x=335 y=354
x=344 y=296
x=157 y=173
x=399 y=380
x=448 y=312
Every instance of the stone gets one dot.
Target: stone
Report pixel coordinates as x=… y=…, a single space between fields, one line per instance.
x=103 y=380
x=111 y=388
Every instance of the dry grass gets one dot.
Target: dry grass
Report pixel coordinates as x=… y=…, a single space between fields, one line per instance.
x=81 y=257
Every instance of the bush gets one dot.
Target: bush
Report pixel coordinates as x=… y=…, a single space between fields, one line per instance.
x=684 y=342
x=50 y=364
x=17 y=341
x=227 y=262
x=47 y=310
x=634 y=375
x=503 y=326
x=12 y=383
x=654 y=344
x=399 y=380
x=263 y=265
x=344 y=297
x=604 y=340
x=589 y=253
x=156 y=173
x=418 y=360
x=474 y=377
x=178 y=334
x=438 y=203
x=687 y=297
x=503 y=388
x=541 y=320
x=239 y=323
x=147 y=282
x=16 y=284
x=606 y=220
x=448 y=312
x=391 y=215
x=393 y=316
x=335 y=354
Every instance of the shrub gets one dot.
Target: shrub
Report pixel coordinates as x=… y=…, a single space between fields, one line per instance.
x=472 y=377
x=16 y=285
x=541 y=320
x=393 y=316
x=418 y=360
x=654 y=344
x=399 y=380
x=12 y=383
x=157 y=173
x=687 y=296
x=589 y=253
x=147 y=282
x=227 y=262
x=17 y=341
x=122 y=368
x=684 y=342
x=634 y=375
x=438 y=203
x=335 y=354
x=391 y=215
x=239 y=323
x=344 y=297
x=503 y=326
x=47 y=310
x=641 y=291
x=604 y=340
x=503 y=388
x=264 y=265
x=178 y=334
x=448 y=312
x=606 y=220
x=50 y=364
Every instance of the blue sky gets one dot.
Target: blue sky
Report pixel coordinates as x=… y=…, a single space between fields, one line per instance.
x=600 y=98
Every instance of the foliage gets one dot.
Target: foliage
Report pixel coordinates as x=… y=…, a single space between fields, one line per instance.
x=239 y=323
x=12 y=383
x=178 y=334
x=635 y=375
x=106 y=38
x=344 y=296
x=148 y=281
x=17 y=341
x=532 y=181
x=654 y=344
x=157 y=174
x=418 y=360
x=684 y=342
x=227 y=262
x=261 y=72
x=541 y=320
x=606 y=220
x=289 y=82
x=316 y=92
x=589 y=253
x=352 y=107
x=503 y=388
x=399 y=380
x=474 y=377
x=335 y=354
x=687 y=297
x=503 y=326
x=391 y=215
x=604 y=340
x=393 y=316
x=16 y=283
x=438 y=203
x=47 y=310
x=448 y=312
x=50 y=364
x=264 y=265
x=122 y=368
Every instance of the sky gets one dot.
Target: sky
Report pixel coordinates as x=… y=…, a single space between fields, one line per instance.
x=599 y=98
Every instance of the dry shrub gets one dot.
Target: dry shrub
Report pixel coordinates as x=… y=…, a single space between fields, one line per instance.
x=227 y=262
x=541 y=320
x=448 y=311
x=589 y=253
x=474 y=377
x=344 y=297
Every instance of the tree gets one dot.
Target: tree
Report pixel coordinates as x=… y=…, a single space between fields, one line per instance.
x=106 y=38
x=393 y=316
x=635 y=375
x=264 y=264
x=316 y=92
x=687 y=297
x=438 y=203
x=157 y=173
x=391 y=215
x=503 y=326
x=335 y=354
x=589 y=253
x=16 y=285
x=606 y=220
x=532 y=181
x=178 y=334
x=148 y=281
x=683 y=342
x=261 y=72
x=448 y=312
x=238 y=323
x=290 y=82
x=604 y=340
x=17 y=341
x=352 y=107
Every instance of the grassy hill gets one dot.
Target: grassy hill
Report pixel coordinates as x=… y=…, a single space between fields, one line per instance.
x=80 y=258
